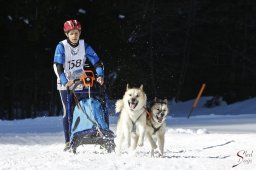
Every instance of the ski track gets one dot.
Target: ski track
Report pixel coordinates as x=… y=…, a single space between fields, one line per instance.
x=184 y=149
x=199 y=143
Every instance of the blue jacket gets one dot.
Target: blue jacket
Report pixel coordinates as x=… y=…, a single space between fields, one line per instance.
x=90 y=54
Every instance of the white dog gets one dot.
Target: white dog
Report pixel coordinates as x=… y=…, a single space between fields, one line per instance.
x=131 y=125
x=155 y=131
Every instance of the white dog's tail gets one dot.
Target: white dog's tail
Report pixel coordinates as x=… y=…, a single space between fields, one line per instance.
x=119 y=105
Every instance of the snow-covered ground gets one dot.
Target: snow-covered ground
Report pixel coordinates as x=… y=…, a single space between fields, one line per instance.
x=216 y=138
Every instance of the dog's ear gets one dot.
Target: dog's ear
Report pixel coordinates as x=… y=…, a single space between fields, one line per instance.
x=165 y=101
x=141 y=87
x=155 y=99
x=127 y=86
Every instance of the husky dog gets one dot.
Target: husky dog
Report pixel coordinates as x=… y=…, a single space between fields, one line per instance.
x=131 y=124
x=155 y=130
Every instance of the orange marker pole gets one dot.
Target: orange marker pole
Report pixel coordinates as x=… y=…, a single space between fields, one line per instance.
x=197 y=99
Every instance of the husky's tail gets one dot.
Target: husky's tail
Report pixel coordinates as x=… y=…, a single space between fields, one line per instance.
x=119 y=105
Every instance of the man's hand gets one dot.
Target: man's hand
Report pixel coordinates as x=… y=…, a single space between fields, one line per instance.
x=100 y=80
x=69 y=83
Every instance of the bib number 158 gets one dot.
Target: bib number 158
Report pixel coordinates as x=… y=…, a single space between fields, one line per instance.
x=74 y=63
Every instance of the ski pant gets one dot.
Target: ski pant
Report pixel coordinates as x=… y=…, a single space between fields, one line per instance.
x=64 y=101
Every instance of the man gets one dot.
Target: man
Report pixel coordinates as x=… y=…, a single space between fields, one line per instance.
x=69 y=59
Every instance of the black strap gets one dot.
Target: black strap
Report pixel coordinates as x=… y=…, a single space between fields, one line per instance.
x=155 y=129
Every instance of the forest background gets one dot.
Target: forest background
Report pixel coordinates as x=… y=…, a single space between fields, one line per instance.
x=171 y=47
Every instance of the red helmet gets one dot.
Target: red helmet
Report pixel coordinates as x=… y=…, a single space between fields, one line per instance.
x=71 y=24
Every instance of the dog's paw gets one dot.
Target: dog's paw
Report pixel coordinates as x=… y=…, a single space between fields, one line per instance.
x=152 y=153
x=118 y=154
x=160 y=155
x=118 y=151
x=154 y=146
x=140 y=144
x=127 y=144
x=132 y=153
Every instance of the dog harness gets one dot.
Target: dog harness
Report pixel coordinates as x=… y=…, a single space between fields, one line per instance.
x=149 y=117
x=150 y=120
x=134 y=123
x=155 y=129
